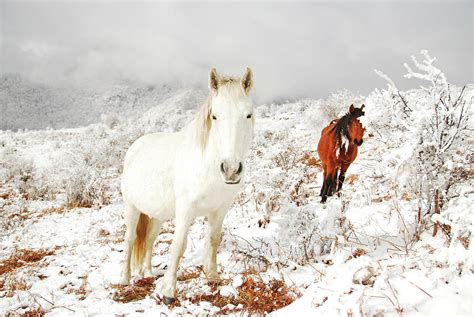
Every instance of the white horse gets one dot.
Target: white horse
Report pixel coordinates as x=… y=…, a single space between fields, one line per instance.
x=194 y=172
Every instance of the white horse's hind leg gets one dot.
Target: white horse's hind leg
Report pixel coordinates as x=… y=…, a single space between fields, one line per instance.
x=212 y=244
x=131 y=216
x=183 y=221
x=153 y=231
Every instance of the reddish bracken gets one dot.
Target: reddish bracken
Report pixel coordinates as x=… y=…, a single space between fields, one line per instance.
x=136 y=291
x=21 y=258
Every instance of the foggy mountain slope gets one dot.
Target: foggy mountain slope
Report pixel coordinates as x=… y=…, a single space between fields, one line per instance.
x=28 y=105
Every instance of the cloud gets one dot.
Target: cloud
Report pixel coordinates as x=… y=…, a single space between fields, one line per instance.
x=295 y=49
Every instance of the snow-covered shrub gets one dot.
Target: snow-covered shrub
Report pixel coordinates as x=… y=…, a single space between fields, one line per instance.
x=431 y=126
x=110 y=120
x=86 y=187
x=30 y=181
x=306 y=242
x=338 y=103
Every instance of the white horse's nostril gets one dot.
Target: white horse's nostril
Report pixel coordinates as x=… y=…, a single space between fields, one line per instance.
x=240 y=168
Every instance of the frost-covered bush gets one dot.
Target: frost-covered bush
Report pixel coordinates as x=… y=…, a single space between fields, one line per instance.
x=86 y=187
x=97 y=158
x=306 y=242
x=30 y=181
x=338 y=103
x=431 y=126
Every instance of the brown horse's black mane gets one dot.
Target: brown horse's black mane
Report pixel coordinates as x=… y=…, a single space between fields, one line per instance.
x=342 y=124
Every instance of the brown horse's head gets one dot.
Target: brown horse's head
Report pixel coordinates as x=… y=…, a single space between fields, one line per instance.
x=355 y=128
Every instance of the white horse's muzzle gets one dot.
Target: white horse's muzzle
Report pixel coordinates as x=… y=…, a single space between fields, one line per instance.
x=231 y=172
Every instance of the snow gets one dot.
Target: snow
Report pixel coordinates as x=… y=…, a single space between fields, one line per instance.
x=356 y=255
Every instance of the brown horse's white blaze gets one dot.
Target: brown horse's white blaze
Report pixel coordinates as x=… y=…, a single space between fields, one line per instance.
x=337 y=149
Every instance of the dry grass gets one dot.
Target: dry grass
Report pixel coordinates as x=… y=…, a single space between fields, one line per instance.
x=358 y=252
x=286 y=159
x=381 y=199
x=258 y=297
x=255 y=297
x=190 y=274
x=216 y=300
x=34 y=312
x=311 y=160
x=81 y=291
x=134 y=292
x=103 y=233
x=12 y=285
x=7 y=195
x=350 y=179
x=53 y=210
x=21 y=258
x=300 y=194
x=465 y=241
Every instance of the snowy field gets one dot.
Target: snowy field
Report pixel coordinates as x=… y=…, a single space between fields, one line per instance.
x=370 y=252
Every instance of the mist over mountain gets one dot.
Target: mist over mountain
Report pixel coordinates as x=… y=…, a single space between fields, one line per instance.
x=29 y=105
x=306 y=49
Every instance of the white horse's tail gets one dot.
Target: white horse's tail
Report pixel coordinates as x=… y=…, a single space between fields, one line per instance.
x=138 y=248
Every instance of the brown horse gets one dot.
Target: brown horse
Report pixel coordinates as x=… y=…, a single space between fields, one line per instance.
x=337 y=149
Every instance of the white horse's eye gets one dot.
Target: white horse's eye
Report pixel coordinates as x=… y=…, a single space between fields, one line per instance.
x=249 y=116
x=214 y=117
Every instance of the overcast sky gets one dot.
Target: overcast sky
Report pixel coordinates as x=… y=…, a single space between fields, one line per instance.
x=295 y=49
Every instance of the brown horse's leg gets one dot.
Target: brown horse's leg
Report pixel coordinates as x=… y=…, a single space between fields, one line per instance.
x=324 y=179
x=333 y=188
x=342 y=176
x=328 y=182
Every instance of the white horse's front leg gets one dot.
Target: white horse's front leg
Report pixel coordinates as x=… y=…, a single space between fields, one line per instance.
x=214 y=232
x=183 y=221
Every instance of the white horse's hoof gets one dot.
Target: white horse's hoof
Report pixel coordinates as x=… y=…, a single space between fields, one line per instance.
x=168 y=300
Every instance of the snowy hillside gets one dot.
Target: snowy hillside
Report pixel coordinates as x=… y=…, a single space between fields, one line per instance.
x=28 y=104
x=370 y=252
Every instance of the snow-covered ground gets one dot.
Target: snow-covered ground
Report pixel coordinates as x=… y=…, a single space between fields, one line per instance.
x=362 y=254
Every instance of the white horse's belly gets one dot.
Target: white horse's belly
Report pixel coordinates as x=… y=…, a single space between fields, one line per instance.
x=147 y=180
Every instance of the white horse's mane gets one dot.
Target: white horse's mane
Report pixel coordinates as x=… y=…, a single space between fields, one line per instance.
x=202 y=122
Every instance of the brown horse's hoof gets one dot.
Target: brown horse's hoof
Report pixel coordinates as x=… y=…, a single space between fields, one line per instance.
x=168 y=300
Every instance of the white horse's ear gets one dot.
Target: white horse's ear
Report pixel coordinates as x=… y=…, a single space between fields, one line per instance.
x=214 y=80
x=247 y=81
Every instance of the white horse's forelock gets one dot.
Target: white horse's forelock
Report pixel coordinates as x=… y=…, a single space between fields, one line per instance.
x=203 y=121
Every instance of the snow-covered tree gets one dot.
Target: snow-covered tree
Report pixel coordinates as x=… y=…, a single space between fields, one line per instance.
x=435 y=120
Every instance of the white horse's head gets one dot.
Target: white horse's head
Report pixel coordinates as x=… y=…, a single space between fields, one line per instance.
x=230 y=122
